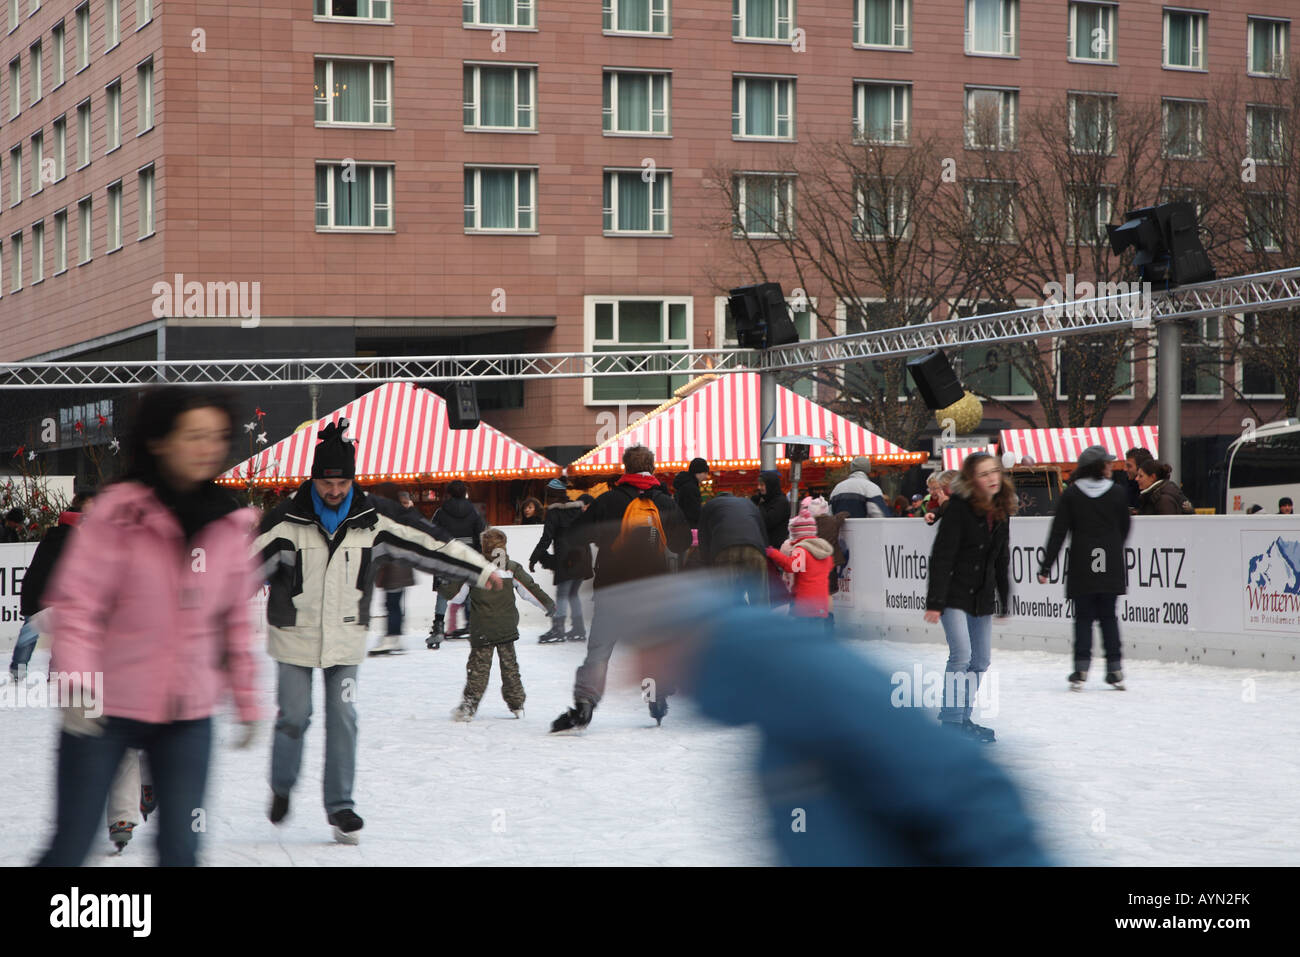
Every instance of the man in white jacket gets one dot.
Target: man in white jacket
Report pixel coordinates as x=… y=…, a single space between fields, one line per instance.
x=319 y=550
x=858 y=495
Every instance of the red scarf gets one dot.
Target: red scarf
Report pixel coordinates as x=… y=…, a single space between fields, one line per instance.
x=638 y=480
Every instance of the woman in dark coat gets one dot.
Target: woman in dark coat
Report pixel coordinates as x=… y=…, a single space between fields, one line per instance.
x=775 y=508
x=531 y=512
x=968 y=581
x=1160 y=494
x=1093 y=511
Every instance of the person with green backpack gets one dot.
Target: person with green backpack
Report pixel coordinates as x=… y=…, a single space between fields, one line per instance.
x=633 y=525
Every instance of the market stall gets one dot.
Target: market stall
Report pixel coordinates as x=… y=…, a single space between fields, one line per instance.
x=1062 y=446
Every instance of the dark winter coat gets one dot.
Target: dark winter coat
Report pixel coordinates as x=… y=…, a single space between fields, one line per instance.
x=1094 y=513
x=493 y=615
x=860 y=497
x=686 y=493
x=1164 y=498
x=775 y=508
x=726 y=521
x=602 y=522
x=460 y=519
x=572 y=559
x=43 y=561
x=969 y=561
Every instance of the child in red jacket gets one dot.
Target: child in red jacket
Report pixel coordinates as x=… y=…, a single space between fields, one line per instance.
x=810 y=563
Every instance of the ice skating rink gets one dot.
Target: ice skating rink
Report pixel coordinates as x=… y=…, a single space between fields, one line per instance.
x=1191 y=765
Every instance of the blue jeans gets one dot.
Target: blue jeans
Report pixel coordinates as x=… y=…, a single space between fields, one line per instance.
x=178 y=754
x=970 y=646
x=27 y=638
x=394 y=600
x=340 y=732
x=566 y=593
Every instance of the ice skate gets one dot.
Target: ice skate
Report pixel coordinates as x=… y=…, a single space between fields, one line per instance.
x=347 y=826
x=553 y=634
x=148 y=802
x=658 y=709
x=435 y=635
x=1115 y=679
x=389 y=644
x=575 y=719
x=577 y=634
x=978 y=731
x=1076 y=679
x=462 y=712
x=119 y=833
x=518 y=713
x=279 y=808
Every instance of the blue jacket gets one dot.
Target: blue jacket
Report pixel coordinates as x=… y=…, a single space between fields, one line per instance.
x=860 y=497
x=875 y=784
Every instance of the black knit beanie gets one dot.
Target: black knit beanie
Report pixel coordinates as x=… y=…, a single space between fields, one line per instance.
x=335 y=458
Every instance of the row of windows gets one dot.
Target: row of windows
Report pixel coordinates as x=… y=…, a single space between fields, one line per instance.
x=51 y=166
x=29 y=258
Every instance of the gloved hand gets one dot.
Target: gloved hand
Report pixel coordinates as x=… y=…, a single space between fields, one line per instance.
x=532 y=565
x=246 y=735
x=77 y=723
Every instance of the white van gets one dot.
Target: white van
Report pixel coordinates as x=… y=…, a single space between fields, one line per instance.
x=1263 y=467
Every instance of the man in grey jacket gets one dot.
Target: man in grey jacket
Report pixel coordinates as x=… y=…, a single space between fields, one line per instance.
x=858 y=495
x=319 y=549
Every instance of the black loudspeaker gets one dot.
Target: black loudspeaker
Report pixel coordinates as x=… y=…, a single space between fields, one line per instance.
x=935 y=380
x=462 y=405
x=796 y=453
x=762 y=317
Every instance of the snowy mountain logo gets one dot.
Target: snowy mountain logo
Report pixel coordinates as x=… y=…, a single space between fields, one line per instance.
x=1278 y=569
x=1272 y=586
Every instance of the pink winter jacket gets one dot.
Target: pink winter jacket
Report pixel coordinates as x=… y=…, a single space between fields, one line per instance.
x=168 y=623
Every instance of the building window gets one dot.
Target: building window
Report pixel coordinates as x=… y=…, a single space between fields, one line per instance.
x=114 y=216
x=83 y=36
x=1266 y=44
x=882 y=23
x=1092 y=32
x=353 y=92
x=1259 y=379
x=351 y=196
x=762 y=19
x=1184 y=128
x=764 y=205
x=762 y=107
x=15 y=176
x=60 y=43
x=992 y=210
x=1092 y=123
x=881 y=209
x=16 y=262
x=37 y=71
x=635 y=324
x=15 y=87
x=38 y=252
x=112 y=23
x=1090 y=209
x=38 y=163
x=638 y=202
x=144 y=97
x=83 y=134
x=802 y=314
x=1202 y=372
x=1266 y=134
x=497 y=13
x=987 y=369
x=1079 y=357
x=1265 y=222
x=113 y=116
x=13 y=15
x=499 y=97
x=60 y=241
x=60 y=148
x=144 y=182
x=636 y=103
x=85 y=250
x=500 y=200
x=143 y=12
x=636 y=16
x=882 y=112
x=991 y=27
x=1184 y=41
x=991 y=118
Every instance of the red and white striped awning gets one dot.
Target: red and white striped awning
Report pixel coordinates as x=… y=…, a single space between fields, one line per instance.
x=402 y=433
x=717 y=418
x=952 y=458
x=1062 y=446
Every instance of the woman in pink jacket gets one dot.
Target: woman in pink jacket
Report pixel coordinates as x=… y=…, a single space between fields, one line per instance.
x=152 y=594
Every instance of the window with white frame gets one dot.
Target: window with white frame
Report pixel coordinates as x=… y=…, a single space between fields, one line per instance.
x=991 y=118
x=1266 y=44
x=636 y=102
x=113 y=116
x=1257 y=377
x=764 y=205
x=762 y=20
x=636 y=324
x=83 y=134
x=38 y=162
x=60 y=148
x=1266 y=134
x=882 y=23
x=991 y=27
x=1092 y=123
x=38 y=252
x=1202 y=365
x=637 y=16
x=15 y=87
x=112 y=24
x=1184 y=39
x=497 y=13
x=762 y=107
x=85 y=248
x=143 y=12
x=1078 y=358
x=1092 y=31
x=354 y=196
x=15 y=176
x=989 y=369
x=875 y=378
x=500 y=199
x=500 y=98
x=881 y=209
x=33 y=6
x=83 y=36
x=1090 y=209
x=991 y=208
x=37 y=70
x=802 y=314
x=16 y=262
x=144 y=188
x=379 y=11
x=1265 y=222
x=59 y=41
x=144 y=97
x=638 y=201
x=114 y=238
x=882 y=112
x=1184 y=128
x=60 y=241
x=13 y=15
x=353 y=92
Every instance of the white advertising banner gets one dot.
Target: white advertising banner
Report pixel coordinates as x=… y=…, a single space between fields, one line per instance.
x=14 y=560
